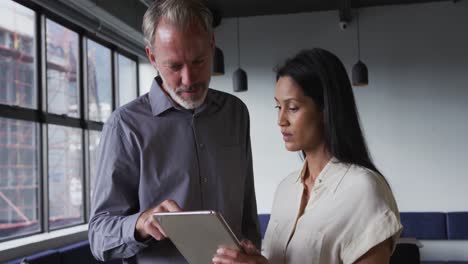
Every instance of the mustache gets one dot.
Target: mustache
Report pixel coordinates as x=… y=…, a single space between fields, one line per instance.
x=196 y=86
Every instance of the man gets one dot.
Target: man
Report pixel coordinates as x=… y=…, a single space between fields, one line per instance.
x=182 y=146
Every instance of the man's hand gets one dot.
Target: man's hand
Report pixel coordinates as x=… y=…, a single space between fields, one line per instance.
x=147 y=226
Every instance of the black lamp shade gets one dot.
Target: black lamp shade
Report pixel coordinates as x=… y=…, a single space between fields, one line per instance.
x=239 y=80
x=360 y=74
x=218 y=62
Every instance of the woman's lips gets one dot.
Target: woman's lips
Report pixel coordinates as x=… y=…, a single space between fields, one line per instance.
x=287 y=136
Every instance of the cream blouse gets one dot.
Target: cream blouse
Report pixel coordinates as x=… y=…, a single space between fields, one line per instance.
x=351 y=209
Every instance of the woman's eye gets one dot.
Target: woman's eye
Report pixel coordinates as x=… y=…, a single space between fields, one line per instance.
x=293 y=109
x=278 y=107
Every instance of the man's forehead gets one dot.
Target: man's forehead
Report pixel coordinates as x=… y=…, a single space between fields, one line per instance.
x=171 y=44
x=192 y=26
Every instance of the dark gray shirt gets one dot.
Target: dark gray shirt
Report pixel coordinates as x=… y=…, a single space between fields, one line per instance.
x=152 y=150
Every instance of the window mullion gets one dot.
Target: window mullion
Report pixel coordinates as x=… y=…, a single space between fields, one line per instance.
x=42 y=90
x=137 y=63
x=82 y=75
x=114 y=76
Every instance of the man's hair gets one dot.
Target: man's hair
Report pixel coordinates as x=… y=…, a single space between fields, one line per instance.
x=180 y=13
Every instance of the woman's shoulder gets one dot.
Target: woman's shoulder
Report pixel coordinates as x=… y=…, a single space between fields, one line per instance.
x=287 y=184
x=365 y=186
x=291 y=179
x=364 y=178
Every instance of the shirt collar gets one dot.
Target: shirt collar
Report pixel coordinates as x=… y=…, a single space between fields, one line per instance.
x=161 y=102
x=330 y=176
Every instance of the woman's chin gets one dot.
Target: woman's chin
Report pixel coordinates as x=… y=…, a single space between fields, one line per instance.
x=291 y=147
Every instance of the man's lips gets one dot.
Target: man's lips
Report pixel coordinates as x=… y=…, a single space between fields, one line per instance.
x=190 y=92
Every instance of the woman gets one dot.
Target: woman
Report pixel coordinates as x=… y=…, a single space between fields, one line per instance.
x=338 y=208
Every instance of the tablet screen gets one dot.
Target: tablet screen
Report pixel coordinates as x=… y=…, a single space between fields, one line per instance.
x=197 y=234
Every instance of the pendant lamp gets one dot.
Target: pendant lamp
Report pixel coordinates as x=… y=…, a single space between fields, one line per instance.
x=218 y=62
x=239 y=78
x=360 y=74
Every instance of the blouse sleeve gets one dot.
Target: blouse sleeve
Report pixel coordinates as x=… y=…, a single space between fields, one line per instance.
x=374 y=216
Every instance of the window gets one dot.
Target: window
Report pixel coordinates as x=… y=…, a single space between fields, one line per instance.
x=44 y=162
x=19 y=178
x=94 y=137
x=63 y=96
x=17 y=81
x=127 y=71
x=99 y=82
x=65 y=176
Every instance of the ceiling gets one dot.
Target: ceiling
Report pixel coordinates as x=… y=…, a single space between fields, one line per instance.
x=243 y=8
x=131 y=11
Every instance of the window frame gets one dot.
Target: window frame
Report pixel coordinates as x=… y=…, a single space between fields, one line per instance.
x=41 y=118
x=117 y=72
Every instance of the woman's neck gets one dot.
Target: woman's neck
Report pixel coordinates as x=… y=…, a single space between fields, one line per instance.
x=317 y=159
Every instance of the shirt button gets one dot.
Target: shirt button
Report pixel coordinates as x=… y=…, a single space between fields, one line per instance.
x=201 y=145
x=205 y=180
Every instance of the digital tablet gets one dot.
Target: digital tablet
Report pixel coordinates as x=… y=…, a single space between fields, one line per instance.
x=197 y=234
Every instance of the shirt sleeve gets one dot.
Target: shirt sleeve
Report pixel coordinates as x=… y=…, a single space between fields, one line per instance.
x=250 y=224
x=374 y=217
x=115 y=207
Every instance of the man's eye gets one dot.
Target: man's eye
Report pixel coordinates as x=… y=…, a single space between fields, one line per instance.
x=198 y=62
x=293 y=109
x=278 y=107
x=175 y=67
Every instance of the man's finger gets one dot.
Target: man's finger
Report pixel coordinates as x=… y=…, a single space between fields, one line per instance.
x=156 y=224
x=171 y=206
x=152 y=227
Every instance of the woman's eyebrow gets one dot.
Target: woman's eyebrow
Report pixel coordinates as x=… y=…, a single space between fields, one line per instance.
x=287 y=100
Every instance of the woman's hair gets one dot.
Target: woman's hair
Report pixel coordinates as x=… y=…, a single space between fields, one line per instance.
x=323 y=77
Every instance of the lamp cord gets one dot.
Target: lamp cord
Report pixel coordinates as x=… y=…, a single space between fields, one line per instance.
x=358 y=35
x=238 y=44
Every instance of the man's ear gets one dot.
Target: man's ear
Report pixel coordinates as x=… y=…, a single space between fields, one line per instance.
x=212 y=42
x=151 y=57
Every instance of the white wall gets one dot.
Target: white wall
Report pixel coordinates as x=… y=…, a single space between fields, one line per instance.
x=413 y=112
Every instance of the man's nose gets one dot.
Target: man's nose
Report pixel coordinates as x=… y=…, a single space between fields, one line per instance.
x=187 y=75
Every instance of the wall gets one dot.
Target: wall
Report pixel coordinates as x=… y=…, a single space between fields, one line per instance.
x=413 y=111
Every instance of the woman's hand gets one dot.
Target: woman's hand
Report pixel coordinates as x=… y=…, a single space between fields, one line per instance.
x=251 y=255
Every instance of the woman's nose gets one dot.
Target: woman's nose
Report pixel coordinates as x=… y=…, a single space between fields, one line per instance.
x=282 y=120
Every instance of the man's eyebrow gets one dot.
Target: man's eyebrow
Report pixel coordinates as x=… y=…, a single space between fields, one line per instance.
x=170 y=62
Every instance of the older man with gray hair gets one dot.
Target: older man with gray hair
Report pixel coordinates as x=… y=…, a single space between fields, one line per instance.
x=182 y=146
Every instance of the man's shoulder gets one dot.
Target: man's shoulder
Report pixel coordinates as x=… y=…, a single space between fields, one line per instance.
x=226 y=98
x=132 y=111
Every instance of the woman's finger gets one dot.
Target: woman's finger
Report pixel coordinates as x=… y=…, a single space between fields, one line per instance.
x=218 y=259
x=227 y=252
x=249 y=248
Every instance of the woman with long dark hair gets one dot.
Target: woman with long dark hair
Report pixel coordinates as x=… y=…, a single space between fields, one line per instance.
x=338 y=208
